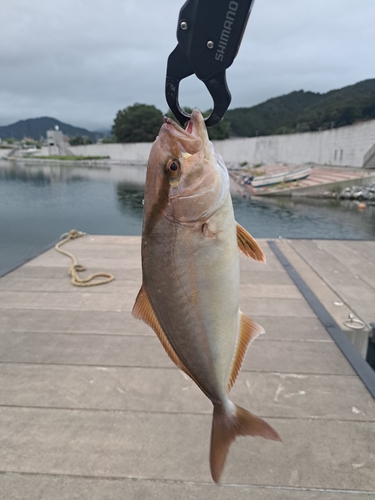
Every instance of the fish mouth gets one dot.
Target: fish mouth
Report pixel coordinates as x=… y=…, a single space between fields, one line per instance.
x=195 y=127
x=191 y=140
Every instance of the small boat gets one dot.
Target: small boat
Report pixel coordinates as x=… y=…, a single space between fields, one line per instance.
x=296 y=175
x=286 y=176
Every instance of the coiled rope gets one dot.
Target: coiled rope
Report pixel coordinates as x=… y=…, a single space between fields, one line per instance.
x=77 y=268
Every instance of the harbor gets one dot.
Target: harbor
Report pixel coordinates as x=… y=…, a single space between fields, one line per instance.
x=92 y=407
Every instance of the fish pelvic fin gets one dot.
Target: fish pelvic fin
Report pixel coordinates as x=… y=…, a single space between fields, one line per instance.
x=143 y=310
x=248 y=331
x=248 y=245
x=226 y=427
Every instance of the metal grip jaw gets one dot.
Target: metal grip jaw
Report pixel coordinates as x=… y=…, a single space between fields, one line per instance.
x=209 y=34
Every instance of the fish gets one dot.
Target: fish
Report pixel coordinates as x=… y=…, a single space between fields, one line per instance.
x=190 y=275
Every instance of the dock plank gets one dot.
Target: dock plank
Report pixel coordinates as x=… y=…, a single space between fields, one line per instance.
x=357 y=264
x=145 y=350
x=126 y=444
x=75 y=322
x=90 y=301
x=122 y=323
x=122 y=287
x=169 y=390
x=341 y=266
x=64 y=487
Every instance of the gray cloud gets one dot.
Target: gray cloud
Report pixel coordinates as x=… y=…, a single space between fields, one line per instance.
x=83 y=60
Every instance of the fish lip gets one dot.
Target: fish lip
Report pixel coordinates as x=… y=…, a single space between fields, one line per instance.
x=171 y=125
x=192 y=128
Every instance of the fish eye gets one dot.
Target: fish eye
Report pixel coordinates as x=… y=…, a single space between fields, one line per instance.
x=173 y=168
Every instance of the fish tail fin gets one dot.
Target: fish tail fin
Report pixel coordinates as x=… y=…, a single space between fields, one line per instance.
x=225 y=428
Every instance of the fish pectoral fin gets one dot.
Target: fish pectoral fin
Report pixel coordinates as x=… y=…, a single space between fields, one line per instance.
x=143 y=310
x=248 y=245
x=248 y=331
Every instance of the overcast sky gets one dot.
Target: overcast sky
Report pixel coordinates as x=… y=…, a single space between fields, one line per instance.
x=80 y=61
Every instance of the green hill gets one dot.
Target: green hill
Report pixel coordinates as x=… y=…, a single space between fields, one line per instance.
x=36 y=128
x=305 y=111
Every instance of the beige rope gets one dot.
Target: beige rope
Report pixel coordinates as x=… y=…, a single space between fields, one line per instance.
x=77 y=268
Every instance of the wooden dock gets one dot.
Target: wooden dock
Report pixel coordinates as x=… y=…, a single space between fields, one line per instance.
x=91 y=407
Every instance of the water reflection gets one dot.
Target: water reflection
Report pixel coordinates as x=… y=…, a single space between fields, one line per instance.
x=60 y=172
x=40 y=202
x=14 y=174
x=305 y=218
x=129 y=199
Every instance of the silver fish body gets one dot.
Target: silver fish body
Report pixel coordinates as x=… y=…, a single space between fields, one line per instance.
x=190 y=264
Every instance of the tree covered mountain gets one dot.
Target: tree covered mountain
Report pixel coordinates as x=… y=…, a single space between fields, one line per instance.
x=35 y=128
x=298 y=111
x=302 y=111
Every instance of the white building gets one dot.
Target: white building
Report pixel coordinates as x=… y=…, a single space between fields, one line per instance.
x=56 y=143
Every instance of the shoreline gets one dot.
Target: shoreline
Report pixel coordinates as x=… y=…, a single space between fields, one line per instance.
x=103 y=161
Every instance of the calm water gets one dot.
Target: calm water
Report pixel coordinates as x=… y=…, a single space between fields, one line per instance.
x=39 y=203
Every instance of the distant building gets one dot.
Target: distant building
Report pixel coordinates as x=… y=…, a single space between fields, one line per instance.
x=57 y=143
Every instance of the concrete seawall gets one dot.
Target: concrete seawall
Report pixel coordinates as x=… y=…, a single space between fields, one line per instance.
x=345 y=146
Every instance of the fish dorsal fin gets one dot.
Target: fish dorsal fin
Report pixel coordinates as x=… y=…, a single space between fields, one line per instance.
x=248 y=331
x=143 y=310
x=248 y=245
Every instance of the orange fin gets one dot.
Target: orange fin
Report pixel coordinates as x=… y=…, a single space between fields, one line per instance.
x=226 y=427
x=143 y=310
x=248 y=245
x=248 y=331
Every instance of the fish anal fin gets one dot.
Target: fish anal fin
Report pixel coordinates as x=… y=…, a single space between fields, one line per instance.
x=248 y=245
x=248 y=331
x=225 y=428
x=143 y=310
